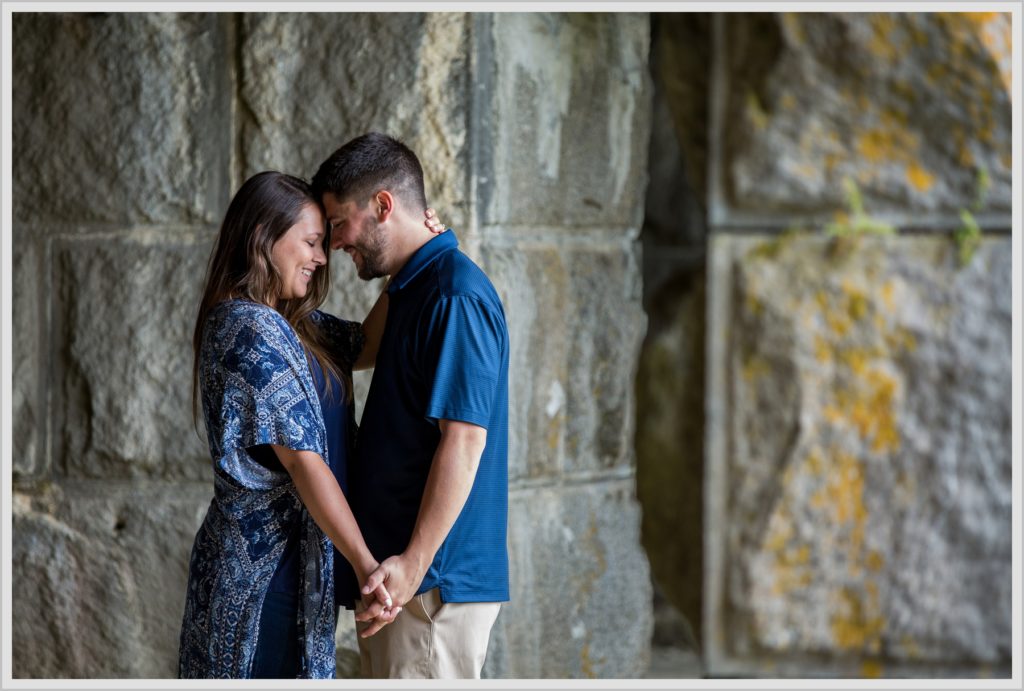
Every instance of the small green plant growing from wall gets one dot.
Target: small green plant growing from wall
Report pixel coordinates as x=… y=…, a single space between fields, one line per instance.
x=968 y=235
x=856 y=221
x=850 y=226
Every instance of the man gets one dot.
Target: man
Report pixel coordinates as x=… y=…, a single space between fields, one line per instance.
x=429 y=482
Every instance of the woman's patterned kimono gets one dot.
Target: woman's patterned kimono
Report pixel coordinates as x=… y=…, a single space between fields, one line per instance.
x=256 y=389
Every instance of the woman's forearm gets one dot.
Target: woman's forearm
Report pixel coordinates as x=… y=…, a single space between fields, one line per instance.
x=326 y=503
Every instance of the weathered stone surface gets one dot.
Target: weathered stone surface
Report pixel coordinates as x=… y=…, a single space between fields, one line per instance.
x=575 y=325
x=581 y=594
x=571 y=99
x=914 y=107
x=300 y=105
x=124 y=378
x=30 y=320
x=119 y=118
x=860 y=456
x=136 y=128
x=670 y=443
x=99 y=575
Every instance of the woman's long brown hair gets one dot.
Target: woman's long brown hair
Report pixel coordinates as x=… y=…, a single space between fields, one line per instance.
x=263 y=210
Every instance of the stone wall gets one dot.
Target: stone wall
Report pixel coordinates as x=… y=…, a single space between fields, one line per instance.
x=131 y=131
x=854 y=395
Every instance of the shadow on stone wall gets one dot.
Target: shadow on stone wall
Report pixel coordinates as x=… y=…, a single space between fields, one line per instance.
x=670 y=376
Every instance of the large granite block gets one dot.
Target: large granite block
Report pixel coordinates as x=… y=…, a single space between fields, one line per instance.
x=99 y=577
x=914 y=107
x=126 y=309
x=859 y=461
x=566 y=120
x=120 y=117
x=299 y=105
x=580 y=600
x=575 y=325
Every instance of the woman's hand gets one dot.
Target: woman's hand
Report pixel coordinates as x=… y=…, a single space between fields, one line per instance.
x=432 y=223
x=378 y=601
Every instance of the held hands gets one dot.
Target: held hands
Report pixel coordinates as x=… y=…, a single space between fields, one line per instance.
x=379 y=600
x=401 y=575
x=433 y=224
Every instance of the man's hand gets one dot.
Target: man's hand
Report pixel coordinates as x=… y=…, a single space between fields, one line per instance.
x=448 y=484
x=401 y=575
x=378 y=600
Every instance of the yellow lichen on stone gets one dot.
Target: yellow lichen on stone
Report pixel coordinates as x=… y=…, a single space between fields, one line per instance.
x=586 y=664
x=814 y=463
x=845 y=492
x=856 y=359
x=881 y=44
x=754 y=305
x=900 y=339
x=871 y=669
x=869 y=409
x=875 y=561
x=822 y=349
x=920 y=178
x=780 y=531
x=756 y=113
x=994 y=32
x=910 y=647
x=555 y=431
x=856 y=625
x=891 y=142
x=755 y=366
x=792 y=28
x=791 y=571
x=856 y=301
x=887 y=292
x=874 y=145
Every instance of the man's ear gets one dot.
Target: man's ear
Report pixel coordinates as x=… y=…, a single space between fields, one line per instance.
x=383 y=204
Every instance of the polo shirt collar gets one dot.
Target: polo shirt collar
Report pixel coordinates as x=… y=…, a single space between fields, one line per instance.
x=422 y=258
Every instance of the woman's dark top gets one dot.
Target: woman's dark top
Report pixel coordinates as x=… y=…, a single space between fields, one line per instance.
x=339 y=421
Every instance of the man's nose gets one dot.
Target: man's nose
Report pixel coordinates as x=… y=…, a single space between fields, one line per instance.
x=337 y=240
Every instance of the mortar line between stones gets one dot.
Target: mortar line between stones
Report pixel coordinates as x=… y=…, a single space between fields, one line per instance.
x=133 y=485
x=519 y=236
x=618 y=475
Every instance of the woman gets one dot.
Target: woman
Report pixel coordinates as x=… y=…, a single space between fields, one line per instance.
x=260 y=599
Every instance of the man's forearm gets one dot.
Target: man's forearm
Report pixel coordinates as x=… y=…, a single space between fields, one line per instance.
x=448 y=485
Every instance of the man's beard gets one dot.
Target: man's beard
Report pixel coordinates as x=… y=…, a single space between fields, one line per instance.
x=371 y=247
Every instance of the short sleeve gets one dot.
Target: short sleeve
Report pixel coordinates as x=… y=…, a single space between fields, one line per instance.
x=346 y=338
x=263 y=401
x=470 y=340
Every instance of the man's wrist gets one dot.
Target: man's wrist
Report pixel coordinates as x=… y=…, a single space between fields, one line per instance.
x=417 y=561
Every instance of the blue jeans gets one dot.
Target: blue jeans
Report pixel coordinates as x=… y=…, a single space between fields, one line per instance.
x=277 y=650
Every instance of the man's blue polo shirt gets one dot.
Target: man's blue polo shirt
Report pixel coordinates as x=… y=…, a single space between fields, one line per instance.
x=443 y=356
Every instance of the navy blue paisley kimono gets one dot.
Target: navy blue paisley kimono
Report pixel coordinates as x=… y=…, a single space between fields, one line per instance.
x=257 y=389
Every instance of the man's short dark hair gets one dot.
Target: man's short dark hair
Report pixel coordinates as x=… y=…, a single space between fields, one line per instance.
x=370 y=163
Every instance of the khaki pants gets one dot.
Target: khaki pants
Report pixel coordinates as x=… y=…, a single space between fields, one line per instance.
x=430 y=639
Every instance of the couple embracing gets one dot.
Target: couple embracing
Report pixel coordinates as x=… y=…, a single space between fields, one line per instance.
x=404 y=521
